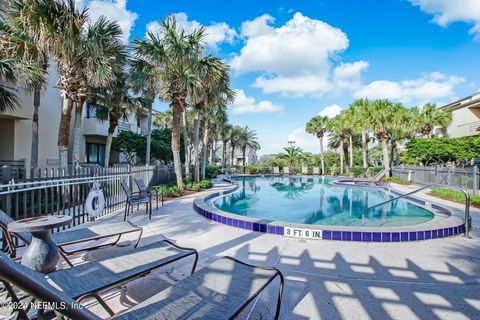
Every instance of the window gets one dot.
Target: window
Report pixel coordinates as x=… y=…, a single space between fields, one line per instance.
x=95 y=153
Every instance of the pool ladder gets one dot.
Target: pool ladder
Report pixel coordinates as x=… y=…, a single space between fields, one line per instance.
x=467 y=202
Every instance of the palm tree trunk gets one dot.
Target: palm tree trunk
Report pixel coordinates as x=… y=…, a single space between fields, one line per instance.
x=224 y=153
x=386 y=161
x=113 y=122
x=322 y=155
x=149 y=133
x=77 y=130
x=350 y=149
x=178 y=107
x=233 y=153
x=342 y=156
x=214 y=153
x=204 y=148
x=185 y=146
x=34 y=152
x=244 y=149
x=365 y=148
x=64 y=131
x=196 y=134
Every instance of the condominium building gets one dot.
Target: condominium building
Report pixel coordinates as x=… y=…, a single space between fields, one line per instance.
x=465 y=116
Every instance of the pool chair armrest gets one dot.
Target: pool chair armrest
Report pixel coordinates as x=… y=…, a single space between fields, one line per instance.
x=191 y=250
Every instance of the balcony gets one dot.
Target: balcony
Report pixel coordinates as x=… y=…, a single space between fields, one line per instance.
x=93 y=127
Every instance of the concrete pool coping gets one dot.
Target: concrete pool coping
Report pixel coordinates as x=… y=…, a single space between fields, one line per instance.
x=438 y=227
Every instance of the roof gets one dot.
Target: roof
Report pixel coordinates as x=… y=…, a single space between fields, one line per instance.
x=464 y=102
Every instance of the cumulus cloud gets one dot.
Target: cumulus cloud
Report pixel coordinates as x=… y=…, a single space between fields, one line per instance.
x=331 y=111
x=429 y=87
x=215 y=33
x=113 y=10
x=296 y=58
x=248 y=104
x=447 y=11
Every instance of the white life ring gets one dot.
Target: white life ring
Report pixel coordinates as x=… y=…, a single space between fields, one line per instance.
x=95 y=195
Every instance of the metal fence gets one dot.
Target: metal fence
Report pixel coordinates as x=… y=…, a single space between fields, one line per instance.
x=57 y=192
x=463 y=177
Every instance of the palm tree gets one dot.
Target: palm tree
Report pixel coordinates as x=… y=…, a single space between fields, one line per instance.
x=335 y=126
x=292 y=155
x=18 y=39
x=349 y=124
x=381 y=116
x=225 y=135
x=234 y=136
x=432 y=117
x=164 y=119
x=247 y=138
x=360 y=119
x=318 y=126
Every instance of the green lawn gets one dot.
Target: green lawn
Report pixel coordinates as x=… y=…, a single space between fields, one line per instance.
x=455 y=196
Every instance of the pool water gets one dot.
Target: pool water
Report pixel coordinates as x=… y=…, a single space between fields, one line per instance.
x=317 y=201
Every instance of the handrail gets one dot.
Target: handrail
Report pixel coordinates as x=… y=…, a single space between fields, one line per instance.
x=467 y=202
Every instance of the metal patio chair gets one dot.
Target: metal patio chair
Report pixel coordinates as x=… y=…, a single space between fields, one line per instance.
x=220 y=290
x=135 y=199
x=87 y=280
x=63 y=239
x=151 y=191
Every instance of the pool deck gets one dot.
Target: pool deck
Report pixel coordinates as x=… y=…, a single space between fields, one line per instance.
x=433 y=279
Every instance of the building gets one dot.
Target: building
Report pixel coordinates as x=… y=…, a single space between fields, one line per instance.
x=16 y=131
x=250 y=155
x=465 y=116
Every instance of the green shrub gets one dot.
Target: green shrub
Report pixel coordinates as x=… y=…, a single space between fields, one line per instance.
x=205 y=184
x=455 y=196
x=196 y=186
x=212 y=171
x=398 y=180
x=358 y=171
x=170 y=191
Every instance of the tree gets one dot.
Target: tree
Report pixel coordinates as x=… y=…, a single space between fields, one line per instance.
x=292 y=155
x=164 y=119
x=247 y=138
x=340 y=134
x=225 y=135
x=360 y=120
x=318 y=126
x=381 y=115
x=432 y=117
x=131 y=144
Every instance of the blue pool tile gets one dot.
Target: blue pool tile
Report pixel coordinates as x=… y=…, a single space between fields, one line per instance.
x=224 y=220
x=395 y=236
x=386 y=236
x=256 y=226
x=420 y=235
x=229 y=221
x=450 y=232
x=404 y=236
x=428 y=235
x=440 y=233
x=455 y=231
x=209 y=216
x=462 y=229
x=357 y=236
x=366 y=236
x=445 y=233
x=327 y=234
x=271 y=229
x=263 y=227
x=346 y=235
x=241 y=224
x=235 y=223
x=413 y=236
x=214 y=217
x=279 y=230
x=337 y=235
x=376 y=237
x=434 y=234
x=248 y=225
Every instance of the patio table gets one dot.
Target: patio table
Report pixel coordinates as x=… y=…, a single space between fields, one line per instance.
x=42 y=253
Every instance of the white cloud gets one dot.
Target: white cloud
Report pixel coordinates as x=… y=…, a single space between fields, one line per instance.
x=304 y=140
x=215 y=33
x=113 y=10
x=331 y=111
x=296 y=58
x=248 y=104
x=429 y=87
x=447 y=11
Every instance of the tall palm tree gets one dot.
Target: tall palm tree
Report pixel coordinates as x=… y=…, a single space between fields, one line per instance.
x=335 y=126
x=360 y=119
x=432 y=117
x=247 y=138
x=18 y=39
x=292 y=155
x=225 y=135
x=348 y=119
x=318 y=126
x=164 y=119
x=234 y=135
x=382 y=113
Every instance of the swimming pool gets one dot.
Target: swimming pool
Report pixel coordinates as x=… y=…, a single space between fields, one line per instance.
x=318 y=201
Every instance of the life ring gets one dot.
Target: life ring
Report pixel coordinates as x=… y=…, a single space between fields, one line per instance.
x=95 y=196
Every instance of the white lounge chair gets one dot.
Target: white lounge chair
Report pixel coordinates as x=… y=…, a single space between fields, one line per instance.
x=286 y=170
x=276 y=170
x=316 y=170
x=304 y=170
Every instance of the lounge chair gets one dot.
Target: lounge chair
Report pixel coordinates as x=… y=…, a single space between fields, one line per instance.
x=276 y=170
x=136 y=198
x=304 y=170
x=68 y=237
x=90 y=279
x=221 y=290
x=286 y=170
x=316 y=171
x=151 y=191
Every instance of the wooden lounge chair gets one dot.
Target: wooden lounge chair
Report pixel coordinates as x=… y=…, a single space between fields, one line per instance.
x=151 y=191
x=88 y=280
x=63 y=239
x=221 y=290
x=316 y=171
x=136 y=198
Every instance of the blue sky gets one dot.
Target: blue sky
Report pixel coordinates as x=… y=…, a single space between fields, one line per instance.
x=292 y=60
